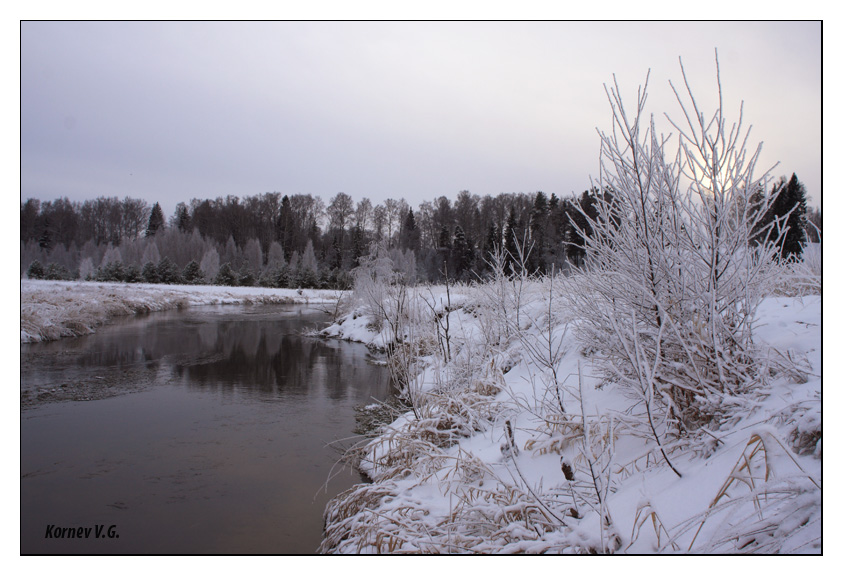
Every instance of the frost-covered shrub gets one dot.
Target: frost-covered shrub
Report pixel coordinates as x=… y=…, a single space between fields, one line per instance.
x=210 y=264
x=801 y=276
x=673 y=274
x=86 y=269
x=151 y=254
x=376 y=285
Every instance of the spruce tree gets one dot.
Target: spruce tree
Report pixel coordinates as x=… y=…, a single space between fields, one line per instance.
x=111 y=272
x=156 y=220
x=132 y=275
x=192 y=273
x=409 y=238
x=512 y=242
x=583 y=212
x=45 y=241
x=539 y=233
x=150 y=273
x=783 y=224
x=462 y=254
x=493 y=242
x=794 y=200
x=226 y=276
x=182 y=217
x=246 y=278
x=358 y=244
x=56 y=272
x=36 y=270
x=168 y=272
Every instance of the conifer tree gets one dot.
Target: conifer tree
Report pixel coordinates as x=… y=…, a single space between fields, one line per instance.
x=36 y=270
x=463 y=254
x=156 y=220
x=493 y=241
x=192 y=273
x=538 y=232
x=45 y=241
x=168 y=272
x=358 y=244
x=581 y=217
x=511 y=242
x=226 y=277
x=182 y=217
x=444 y=260
x=132 y=275
x=794 y=205
x=784 y=223
x=409 y=239
x=150 y=273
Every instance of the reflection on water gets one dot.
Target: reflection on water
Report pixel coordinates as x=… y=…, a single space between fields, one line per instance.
x=225 y=452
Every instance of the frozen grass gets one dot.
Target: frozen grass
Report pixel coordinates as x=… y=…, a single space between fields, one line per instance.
x=519 y=445
x=51 y=309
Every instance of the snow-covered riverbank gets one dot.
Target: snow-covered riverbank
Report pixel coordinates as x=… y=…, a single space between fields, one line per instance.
x=514 y=440
x=55 y=309
x=517 y=442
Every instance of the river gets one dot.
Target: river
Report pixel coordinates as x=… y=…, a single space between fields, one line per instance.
x=199 y=431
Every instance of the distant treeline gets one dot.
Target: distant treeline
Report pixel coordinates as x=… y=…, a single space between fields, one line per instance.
x=298 y=241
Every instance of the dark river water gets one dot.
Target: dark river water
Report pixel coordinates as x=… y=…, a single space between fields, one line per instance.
x=207 y=432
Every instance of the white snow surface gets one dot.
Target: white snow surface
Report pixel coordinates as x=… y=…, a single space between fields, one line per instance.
x=751 y=483
x=51 y=310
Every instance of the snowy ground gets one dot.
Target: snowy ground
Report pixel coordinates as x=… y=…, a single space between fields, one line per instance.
x=487 y=463
x=50 y=310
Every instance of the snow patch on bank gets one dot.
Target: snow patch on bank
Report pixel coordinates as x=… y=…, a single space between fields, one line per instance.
x=481 y=466
x=56 y=309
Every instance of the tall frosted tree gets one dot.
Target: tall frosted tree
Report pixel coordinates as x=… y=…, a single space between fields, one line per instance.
x=275 y=256
x=210 y=265
x=308 y=259
x=253 y=256
x=112 y=255
x=231 y=253
x=151 y=254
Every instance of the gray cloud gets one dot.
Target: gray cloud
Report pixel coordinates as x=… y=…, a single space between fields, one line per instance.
x=171 y=111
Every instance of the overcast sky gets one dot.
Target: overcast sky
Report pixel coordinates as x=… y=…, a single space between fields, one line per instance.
x=173 y=111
